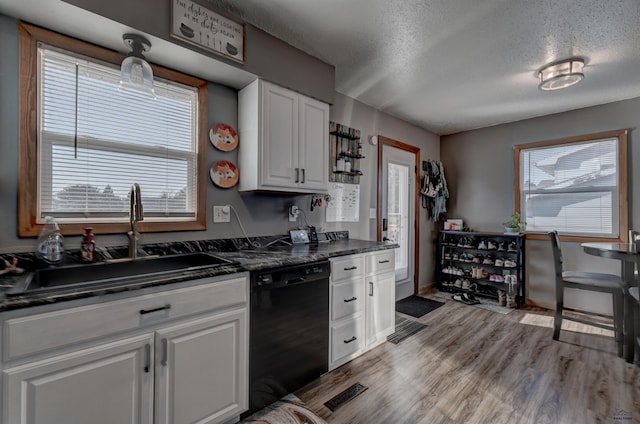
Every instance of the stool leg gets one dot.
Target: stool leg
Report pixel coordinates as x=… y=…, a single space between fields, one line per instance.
x=557 y=319
x=619 y=315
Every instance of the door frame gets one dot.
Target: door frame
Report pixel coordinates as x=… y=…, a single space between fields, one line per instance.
x=385 y=141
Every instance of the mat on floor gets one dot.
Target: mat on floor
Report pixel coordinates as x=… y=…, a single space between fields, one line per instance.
x=486 y=304
x=288 y=410
x=404 y=328
x=417 y=306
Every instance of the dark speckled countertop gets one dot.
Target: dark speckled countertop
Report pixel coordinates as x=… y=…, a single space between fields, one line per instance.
x=244 y=260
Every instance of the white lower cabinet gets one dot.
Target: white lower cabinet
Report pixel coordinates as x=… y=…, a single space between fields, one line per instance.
x=380 y=308
x=380 y=283
x=106 y=384
x=201 y=370
x=189 y=367
x=362 y=293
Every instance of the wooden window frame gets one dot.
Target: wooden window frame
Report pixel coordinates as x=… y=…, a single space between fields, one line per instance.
x=29 y=37
x=623 y=213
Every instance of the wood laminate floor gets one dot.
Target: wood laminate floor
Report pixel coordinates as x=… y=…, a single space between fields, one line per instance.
x=475 y=366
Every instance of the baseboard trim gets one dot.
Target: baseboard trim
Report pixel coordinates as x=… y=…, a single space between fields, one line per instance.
x=426 y=289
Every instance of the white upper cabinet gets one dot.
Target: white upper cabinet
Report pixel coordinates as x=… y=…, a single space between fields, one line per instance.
x=284 y=140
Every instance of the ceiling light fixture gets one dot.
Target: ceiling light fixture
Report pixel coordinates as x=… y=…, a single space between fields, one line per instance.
x=135 y=72
x=561 y=74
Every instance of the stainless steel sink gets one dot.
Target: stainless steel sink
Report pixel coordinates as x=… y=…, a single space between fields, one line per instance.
x=114 y=273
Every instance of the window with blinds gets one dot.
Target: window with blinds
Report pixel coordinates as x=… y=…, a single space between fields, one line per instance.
x=573 y=187
x=95 y=141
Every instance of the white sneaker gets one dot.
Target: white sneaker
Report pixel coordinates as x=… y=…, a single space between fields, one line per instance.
x=482 y=245
x=509 y=263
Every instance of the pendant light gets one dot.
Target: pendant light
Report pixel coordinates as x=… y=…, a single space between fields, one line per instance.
x=561 y=74
x=135 y=72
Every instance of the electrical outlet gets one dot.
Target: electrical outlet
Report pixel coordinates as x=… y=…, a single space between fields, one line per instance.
x=221 y=214
x=293 y=213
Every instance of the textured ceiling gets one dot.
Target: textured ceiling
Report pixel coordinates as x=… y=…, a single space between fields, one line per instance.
x=455 y=65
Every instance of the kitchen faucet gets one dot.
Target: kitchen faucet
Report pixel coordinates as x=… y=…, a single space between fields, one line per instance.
x=135 y=214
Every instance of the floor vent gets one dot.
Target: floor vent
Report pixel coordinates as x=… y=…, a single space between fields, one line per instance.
x=345 y=396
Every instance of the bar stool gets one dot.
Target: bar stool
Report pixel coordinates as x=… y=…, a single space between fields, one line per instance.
x=592 y=281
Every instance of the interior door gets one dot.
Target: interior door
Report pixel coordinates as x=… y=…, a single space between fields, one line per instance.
x=398 y=212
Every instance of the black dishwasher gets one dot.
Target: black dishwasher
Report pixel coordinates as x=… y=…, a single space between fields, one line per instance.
x=289 y=332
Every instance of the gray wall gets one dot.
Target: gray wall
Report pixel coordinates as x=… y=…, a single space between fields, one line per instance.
x=370 y=122
x=480 y=170
x=261 y=214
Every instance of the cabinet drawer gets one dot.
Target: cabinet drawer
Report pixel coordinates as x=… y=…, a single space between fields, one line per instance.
x=345 y=268
x=347 y=298
x=381 y=262
x=40 y=332
x=347 y=338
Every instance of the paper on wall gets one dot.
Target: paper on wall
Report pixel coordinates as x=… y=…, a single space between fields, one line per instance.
x=345 y=203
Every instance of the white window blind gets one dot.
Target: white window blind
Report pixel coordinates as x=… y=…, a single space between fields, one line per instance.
x=572 y=188
x=96 y=141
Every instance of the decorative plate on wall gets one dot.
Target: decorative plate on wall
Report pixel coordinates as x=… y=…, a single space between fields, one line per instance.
x=224 y=174
x=223 y=137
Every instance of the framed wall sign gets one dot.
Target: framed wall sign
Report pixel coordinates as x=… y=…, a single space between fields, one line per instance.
x=204 y=28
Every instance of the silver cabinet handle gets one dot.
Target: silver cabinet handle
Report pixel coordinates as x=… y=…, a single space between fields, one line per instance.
x=165 y=352
x=370 y=288
x=297 y=174
x=302 y=176
x=147 y=357
x=350 y=300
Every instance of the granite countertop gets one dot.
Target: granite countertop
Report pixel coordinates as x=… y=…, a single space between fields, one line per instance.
x=243 y=260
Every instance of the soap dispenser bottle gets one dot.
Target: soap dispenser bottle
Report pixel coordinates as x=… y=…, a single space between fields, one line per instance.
x=88 y=246
x=50 y=247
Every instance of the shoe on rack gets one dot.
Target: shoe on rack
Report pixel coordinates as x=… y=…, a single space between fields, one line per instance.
x=458 y=283
x=484 y=274
x=461 y=242
x=491 y=245
x=498 y=278
x=468 y=243
x=478 y=259
x=499 y=262
x=509 y=263
x=470 y=299
x=488 y=260
x=482 y=245
x=465 y=284
x=513 y=247
x=455 y=256
x=447 y=255
x=510 y=301
x=502 y=246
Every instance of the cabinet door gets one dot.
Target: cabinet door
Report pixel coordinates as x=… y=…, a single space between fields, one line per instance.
x=280 y=134
x=202 y=370
x=107 y=384
x=380 y=308
x=314 y=144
